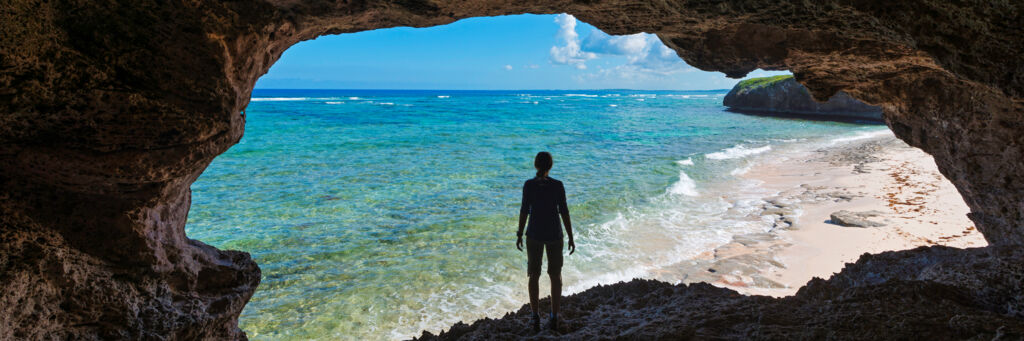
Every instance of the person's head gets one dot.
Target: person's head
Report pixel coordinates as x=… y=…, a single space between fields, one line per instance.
x=543 y=163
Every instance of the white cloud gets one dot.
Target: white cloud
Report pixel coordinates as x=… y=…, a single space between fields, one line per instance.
x=601 y=42
x=645 y=54
x=508 y=67
x=570 y=53
x=531 y=66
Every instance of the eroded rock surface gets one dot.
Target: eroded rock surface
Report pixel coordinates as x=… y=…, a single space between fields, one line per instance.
x=929 y=293
x=783 y=96
x=855 y=219
x=110 y=110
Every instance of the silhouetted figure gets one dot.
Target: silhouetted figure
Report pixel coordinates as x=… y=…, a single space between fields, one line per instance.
x=543 y=203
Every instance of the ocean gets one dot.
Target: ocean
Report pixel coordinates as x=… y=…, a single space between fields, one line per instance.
x=376 y=214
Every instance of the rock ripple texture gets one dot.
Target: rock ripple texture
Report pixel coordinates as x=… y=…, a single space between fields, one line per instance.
x=110 y=110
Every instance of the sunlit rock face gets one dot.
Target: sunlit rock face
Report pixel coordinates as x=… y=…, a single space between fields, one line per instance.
x=109 y=111
x=783 y=96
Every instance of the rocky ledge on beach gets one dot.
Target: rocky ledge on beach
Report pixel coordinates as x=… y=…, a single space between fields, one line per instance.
x=931 y=293
x=783 y=96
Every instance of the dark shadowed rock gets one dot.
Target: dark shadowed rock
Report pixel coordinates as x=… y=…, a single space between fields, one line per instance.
x=929 y=293
x=109 y=110
x=783 y=96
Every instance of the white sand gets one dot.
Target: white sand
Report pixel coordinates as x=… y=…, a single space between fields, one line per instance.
x=918 y=207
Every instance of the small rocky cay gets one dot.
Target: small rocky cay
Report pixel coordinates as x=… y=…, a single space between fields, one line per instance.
x=783 y=96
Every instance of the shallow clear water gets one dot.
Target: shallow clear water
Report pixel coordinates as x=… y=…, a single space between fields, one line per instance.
x=378 y=214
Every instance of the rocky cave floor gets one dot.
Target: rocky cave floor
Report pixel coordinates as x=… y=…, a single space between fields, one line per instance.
x=928 y=293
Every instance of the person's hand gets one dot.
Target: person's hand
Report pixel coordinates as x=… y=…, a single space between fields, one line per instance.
x=519 y=243
x=572 y=246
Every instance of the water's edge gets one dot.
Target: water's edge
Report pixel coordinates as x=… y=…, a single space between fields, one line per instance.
x=370 y=216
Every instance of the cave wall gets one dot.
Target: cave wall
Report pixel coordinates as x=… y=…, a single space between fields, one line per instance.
x=109 y=110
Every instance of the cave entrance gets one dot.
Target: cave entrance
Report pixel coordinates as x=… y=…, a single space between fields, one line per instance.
x=378 y=181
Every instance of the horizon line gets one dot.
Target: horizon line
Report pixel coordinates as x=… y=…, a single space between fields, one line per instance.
x=393 y=89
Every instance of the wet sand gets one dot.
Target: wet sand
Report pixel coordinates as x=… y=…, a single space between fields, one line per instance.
x=894 y=190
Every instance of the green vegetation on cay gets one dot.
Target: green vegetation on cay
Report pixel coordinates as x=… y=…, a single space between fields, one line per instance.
x=754 y=83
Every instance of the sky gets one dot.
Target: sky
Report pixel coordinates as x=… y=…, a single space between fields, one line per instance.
x=491 y=53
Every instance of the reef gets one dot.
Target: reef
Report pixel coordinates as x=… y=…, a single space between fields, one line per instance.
x=783 y=96
x=110 y=110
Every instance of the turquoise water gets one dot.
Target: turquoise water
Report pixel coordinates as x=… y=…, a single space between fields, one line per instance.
x=378 y=214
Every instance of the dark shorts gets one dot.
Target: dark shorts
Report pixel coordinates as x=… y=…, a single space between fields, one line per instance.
x=534 y=256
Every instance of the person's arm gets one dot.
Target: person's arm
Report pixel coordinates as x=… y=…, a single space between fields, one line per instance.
x=524 y=211
x=563 y=209
x=568 y=230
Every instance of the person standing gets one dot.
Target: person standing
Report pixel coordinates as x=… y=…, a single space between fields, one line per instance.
x=543 y=203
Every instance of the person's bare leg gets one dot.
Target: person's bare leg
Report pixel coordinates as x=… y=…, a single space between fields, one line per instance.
x=534 y=292
x=556 y=292
x=554 y=252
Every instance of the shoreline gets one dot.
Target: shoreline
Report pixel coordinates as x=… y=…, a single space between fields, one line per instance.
x=919 y=257
x=879 y=180
x=847 y=117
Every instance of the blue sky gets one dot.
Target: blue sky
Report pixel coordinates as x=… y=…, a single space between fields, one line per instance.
x=509 y=52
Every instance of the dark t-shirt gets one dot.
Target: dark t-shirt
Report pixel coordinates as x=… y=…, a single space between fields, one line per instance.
x=543 y=200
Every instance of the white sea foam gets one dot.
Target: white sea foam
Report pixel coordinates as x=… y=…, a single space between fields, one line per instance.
x=443 y=96
x=860 y=136
x=683 y=226
x=334 y=102
x=641 y=99
x=736 y=152
x=740 y=170
x=386 y=103
x=579 y=95
x=613 y=105
x=624 y=275
x=670 y=229
x=685 y=186
x=275 y=99
x=285 y=99
x=354 y=98
x=682 y=96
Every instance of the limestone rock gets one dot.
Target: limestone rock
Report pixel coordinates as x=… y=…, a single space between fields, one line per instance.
x=110 y=110
x=929 y=293
x=783 y=96
x=855 y=219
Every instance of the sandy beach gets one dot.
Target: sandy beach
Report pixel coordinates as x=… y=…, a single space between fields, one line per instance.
x=883 y=194
x=894 y=199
